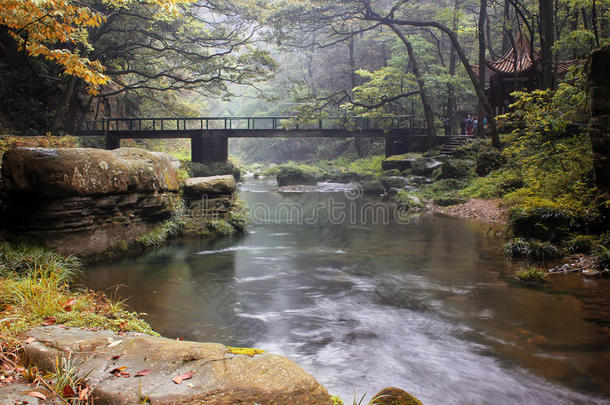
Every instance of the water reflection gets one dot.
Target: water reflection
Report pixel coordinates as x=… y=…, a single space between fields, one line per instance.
x=429 y=306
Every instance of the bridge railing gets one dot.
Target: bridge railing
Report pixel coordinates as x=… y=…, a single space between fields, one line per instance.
x=248 y=123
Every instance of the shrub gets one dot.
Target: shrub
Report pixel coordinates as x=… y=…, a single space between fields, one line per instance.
x=601 y=255
x=453 y=169
x=581 y=243
x=540 y=219
x=532 y=274
x=488 y=160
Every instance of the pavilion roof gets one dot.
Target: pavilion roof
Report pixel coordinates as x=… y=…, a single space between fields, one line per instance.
x=519 y=59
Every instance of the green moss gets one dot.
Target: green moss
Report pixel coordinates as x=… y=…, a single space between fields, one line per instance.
x=497 y=184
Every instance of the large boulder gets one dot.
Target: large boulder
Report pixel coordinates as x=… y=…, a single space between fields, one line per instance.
x=210 y=185
x=425 y=166
x=220 y=375
x=86 y=172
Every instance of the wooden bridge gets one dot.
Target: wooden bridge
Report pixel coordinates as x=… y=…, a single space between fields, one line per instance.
x=209 y=135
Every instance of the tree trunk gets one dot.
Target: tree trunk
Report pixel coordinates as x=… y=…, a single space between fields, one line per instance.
x=390 y=22
x=482 y=66
x=451 y=97
x=545 y=8
x=359 y=142
x=427 y=106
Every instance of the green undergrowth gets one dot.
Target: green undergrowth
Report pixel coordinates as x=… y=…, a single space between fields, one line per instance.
x=166 y=230
x=532 y=274
x=35 y=290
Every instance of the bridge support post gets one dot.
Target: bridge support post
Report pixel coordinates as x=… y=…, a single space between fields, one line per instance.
x=112 y=141
x=208 y=148
x=396 y=145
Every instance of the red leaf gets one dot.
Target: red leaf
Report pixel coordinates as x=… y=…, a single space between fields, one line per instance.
x=48 y=321
x=125 y=375
x=68 y=304
x=38 y=395
x=68 y=392
x=83 y=395
x=116 y=357
x=185 y=376
x=117 y=371
x=144 y=372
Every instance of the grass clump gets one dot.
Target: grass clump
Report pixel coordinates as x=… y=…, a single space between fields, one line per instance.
x=34 y=290
x=531 y=249
x=532 y=274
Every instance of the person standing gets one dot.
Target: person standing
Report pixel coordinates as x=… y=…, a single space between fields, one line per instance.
x=469 y=125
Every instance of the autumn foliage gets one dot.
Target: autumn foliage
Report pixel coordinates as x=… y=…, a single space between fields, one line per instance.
x=58 y=31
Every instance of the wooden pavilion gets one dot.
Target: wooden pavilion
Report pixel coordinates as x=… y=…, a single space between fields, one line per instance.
x=515 y=71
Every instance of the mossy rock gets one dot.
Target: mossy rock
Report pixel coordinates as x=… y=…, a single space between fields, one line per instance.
x=373 y=187
x=454 y=169
x=391 y=182
x=196 y=169
x=425 y=166
x=291 y=176
x=398 y=162
x=394 y=396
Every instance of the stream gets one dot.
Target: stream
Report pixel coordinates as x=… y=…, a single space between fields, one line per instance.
x=363 y=298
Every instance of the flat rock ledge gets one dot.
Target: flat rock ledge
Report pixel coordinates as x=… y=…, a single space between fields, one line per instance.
x=219 y=377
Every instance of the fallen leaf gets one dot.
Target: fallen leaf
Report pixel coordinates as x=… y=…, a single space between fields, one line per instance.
x=144 y=372
x=29 y=340
x=48 y=321
x=37 y=395
x=68 y=392
x=117 y=371
x=116 y=357
x=184 y=376
x=68 y=304
x=125 y=375
x=83 y=395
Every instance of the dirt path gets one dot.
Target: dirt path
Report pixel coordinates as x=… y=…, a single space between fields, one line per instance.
x=477 y=209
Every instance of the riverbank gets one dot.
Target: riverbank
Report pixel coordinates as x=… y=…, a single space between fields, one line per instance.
x=489 y=211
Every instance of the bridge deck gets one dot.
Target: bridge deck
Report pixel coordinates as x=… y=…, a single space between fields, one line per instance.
x=250 y=127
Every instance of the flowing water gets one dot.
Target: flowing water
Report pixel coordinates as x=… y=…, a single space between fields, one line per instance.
x=364 y=298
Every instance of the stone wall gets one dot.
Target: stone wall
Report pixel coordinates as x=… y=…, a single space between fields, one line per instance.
x=86 y=201
x=598 y=68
